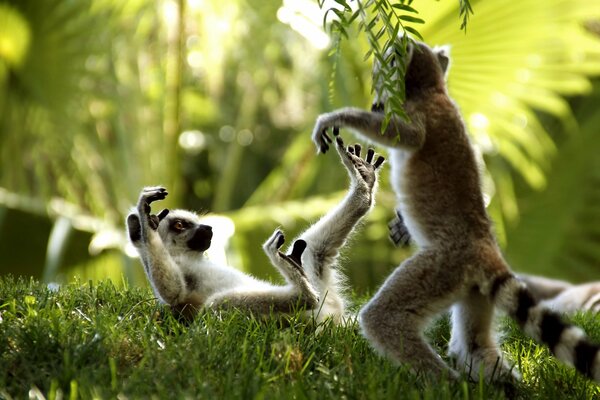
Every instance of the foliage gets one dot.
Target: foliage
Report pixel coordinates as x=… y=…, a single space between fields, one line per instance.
x=559 y=227
x=215 y=101
x=383 y=22
x=504 y=71
x=87 y=340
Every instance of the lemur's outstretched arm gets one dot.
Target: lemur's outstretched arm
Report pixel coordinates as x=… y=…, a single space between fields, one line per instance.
x=398 y=133
x=166 y=278
x=329 y=234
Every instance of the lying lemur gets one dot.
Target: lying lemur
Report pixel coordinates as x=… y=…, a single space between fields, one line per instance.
x=171 y=246
x=564 y=297
x=435 y=176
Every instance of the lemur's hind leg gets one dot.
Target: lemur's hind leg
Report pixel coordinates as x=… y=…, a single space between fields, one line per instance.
x=394 y=319
x=472 y=343
x=290 y=265
x=280 y=299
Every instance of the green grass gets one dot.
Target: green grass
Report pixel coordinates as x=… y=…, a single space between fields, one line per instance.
x=99 y=340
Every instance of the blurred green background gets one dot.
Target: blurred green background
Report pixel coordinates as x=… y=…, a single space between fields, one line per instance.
x=216 y=99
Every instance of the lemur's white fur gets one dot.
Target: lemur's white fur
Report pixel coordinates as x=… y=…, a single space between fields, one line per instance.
x=171 y=246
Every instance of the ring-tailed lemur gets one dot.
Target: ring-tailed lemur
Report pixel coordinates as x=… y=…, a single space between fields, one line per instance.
x=563 y=296
x=171 y=246
x=458 y=264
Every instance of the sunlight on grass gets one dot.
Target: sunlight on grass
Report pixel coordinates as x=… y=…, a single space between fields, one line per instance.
x=102 y=341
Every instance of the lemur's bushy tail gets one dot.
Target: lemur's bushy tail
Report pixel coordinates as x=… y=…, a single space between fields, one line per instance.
x=567 y=342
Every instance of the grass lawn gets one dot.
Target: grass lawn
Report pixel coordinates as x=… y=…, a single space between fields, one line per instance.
x=101 y=341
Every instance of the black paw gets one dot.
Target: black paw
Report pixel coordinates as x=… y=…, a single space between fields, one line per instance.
x=280 y=240
x=295 y=257
x=326 y=139
x=150 y=195
x=399 y=234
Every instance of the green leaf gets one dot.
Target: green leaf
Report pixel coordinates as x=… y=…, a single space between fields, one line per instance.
x=413 y=31
x=405 y=7
x=412 y=19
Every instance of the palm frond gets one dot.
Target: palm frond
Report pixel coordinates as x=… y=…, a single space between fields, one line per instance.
x=558 y=232
x=517 y=59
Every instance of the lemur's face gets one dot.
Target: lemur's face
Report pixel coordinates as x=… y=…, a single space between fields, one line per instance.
x=425 y=68
x=181 y=230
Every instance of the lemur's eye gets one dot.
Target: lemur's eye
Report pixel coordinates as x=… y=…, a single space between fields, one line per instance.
x=178 y=225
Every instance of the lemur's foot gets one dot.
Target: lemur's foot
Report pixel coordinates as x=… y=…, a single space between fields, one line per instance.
x=365 y=169
x=273 y=243
x=399 y=233
x=290 y=265
x=295 y=257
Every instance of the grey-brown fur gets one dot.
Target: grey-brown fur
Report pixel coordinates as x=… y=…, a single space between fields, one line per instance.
x=435 y=176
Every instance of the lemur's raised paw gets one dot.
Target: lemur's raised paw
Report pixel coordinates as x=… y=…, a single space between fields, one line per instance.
x=320 y=136
x=147 y=197
x=289 y=264
x=365 y=169
x=399 y=234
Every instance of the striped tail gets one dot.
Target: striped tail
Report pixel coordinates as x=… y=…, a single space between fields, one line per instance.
x=567 y=342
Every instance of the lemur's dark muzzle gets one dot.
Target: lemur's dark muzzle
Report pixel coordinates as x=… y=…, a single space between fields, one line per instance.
x=200 y=241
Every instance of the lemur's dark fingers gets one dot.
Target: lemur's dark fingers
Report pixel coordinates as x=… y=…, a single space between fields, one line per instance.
x=156 y=196
x=378 y=162
x=326 y=137
x=404 y=239
x=357 y=149
x=161 y=215
x=324 y=145
x=400 y=239
x=350 y=149
x=339 y=141
x=297 y=250
x=280 y=239
x=370 y=154
x=336 y=131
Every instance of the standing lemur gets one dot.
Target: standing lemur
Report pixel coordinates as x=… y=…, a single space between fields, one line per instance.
x=171 y=246
x=435 y=176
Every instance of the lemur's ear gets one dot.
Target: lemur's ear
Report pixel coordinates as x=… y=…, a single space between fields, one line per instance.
x=443 y=55
x=161 y=215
